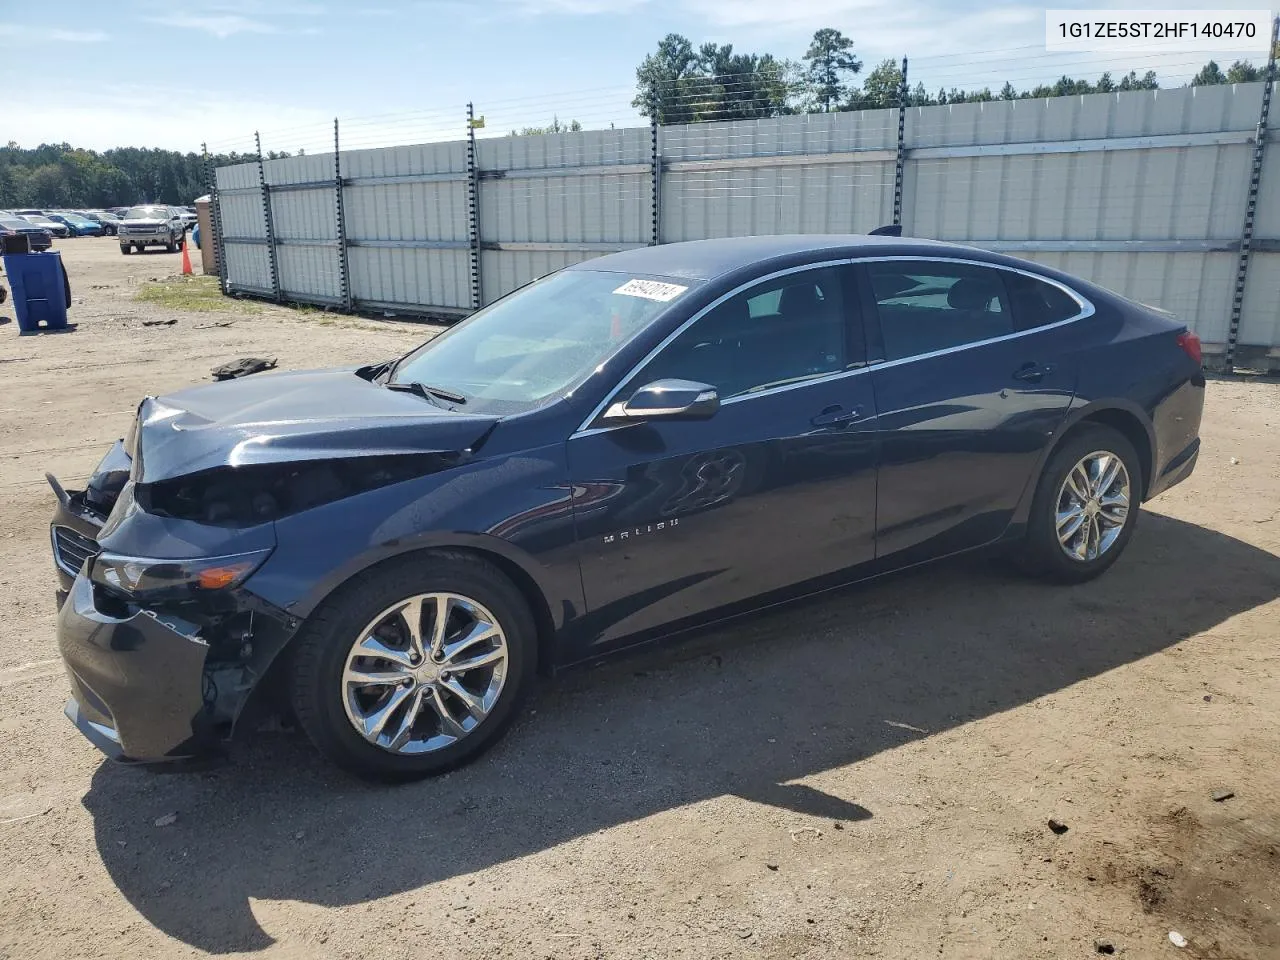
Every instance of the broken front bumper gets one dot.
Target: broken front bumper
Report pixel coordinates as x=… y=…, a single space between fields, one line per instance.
x=137 y=682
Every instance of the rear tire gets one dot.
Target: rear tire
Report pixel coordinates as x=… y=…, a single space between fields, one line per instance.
x=327 y=703
x=1080 y=521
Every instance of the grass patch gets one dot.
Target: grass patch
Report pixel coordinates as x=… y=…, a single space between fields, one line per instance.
x=196 y=294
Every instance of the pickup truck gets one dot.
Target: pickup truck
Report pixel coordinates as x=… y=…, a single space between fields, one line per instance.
x=151 y=225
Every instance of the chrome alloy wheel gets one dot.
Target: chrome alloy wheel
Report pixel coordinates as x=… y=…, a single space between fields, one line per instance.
x=1093 y=505
x=424 y=673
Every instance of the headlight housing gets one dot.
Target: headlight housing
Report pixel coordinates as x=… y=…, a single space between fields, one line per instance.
x=139 y=577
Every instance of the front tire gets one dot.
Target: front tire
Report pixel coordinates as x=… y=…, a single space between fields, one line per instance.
x=1085 y=506
x=124 y=248
x=414 y=667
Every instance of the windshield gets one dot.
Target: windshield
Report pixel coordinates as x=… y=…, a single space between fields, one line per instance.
x=146 y=213
x=541 y=341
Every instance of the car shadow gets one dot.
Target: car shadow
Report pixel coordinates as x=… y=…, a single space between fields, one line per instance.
x=744 y=710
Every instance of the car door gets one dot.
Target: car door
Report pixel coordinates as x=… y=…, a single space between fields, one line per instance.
x=677 y=518
x=973 y=371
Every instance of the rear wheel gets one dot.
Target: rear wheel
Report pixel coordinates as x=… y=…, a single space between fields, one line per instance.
x=1085 y=506
x=415 y=667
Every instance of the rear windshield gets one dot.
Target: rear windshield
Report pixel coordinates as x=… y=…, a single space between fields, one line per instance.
x=146 y=213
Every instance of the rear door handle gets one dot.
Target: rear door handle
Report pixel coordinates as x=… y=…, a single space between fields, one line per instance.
x=1032 y=372
x=836 y=416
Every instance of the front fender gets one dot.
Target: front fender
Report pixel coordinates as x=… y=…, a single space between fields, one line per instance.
x=517 y=507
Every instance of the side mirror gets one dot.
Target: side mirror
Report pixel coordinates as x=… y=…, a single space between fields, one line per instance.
x=666 y=400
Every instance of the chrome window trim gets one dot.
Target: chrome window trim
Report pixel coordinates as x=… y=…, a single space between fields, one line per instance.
x=1086 y=307
x=1086 y=310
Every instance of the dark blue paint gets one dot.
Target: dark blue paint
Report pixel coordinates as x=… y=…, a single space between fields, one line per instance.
x=625 y=533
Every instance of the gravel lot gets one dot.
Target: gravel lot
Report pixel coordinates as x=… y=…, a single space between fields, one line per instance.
x=867 y=774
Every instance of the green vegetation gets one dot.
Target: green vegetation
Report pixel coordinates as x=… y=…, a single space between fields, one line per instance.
x=196 y=294
x=57 y=175
x=686 y=84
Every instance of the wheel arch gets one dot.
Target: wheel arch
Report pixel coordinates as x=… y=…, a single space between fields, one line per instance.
x=1122 y=415
x=545 y=604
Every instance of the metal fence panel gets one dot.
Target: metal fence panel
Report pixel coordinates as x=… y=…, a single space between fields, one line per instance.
x=1260 y=321
x=410 y=279
x=301 y=215
x=248 y=268
x=1143 y=192
x=308 y=273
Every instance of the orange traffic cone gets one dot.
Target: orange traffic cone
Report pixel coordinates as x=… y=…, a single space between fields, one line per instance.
x=186 y=259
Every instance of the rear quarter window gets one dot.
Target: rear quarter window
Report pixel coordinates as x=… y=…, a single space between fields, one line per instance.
x=1037 y=303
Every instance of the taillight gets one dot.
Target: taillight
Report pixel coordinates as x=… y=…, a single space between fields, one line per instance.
x=1190 y=345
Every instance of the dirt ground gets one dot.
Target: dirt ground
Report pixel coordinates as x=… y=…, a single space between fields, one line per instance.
x=870 y=774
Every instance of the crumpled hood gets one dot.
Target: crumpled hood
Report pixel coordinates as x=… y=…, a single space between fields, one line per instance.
x=287 y=417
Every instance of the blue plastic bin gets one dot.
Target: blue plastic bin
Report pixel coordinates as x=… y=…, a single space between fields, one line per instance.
x=39 y=288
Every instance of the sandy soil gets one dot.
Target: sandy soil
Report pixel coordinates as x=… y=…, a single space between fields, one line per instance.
x=866 y=775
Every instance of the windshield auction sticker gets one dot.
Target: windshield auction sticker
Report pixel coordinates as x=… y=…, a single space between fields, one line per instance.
x=651 y=290
x=1159 y=31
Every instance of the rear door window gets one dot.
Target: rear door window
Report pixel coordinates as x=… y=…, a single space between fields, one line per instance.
x=930 y=305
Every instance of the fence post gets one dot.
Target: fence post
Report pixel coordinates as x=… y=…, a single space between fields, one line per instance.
x=655 y=176
x=1251 y=206
x=266 y=219
x=344 y=276
x=473 y=207
x=900 y=165
x=215 y=217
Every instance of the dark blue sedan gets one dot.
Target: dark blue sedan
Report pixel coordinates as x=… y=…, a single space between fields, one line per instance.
x=637 y=445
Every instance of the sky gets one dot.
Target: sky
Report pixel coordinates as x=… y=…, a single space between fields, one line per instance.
x=106 y=73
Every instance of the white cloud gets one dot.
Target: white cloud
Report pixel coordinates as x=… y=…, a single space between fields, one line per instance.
x=220 y=25
x=52 y=34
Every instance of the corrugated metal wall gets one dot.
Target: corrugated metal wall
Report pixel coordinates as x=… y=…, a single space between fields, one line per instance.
x=1143 y=192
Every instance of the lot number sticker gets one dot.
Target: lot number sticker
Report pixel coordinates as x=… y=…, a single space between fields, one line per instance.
x=651 y=290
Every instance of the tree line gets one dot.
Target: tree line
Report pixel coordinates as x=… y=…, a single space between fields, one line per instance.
x=57 y=175
x=681 y=83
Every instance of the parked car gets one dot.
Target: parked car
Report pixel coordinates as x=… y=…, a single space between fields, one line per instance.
x=633 y=446
x=53 y=226
x=188 y=215
x=77 y=226
x=105 y=220
x=38 y=238
x=151 y=225
x=29 y=213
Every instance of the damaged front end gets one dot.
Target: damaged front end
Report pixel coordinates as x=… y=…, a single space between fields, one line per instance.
x=162 y=652
x=164 y=640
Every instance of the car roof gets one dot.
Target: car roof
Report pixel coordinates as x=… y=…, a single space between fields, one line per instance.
x=710 y=259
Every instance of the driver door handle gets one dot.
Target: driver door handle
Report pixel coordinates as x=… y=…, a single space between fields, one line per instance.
x=1031 y=372
x=836 y=416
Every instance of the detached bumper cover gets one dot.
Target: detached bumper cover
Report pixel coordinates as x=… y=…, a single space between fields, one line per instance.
x=136 y=682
